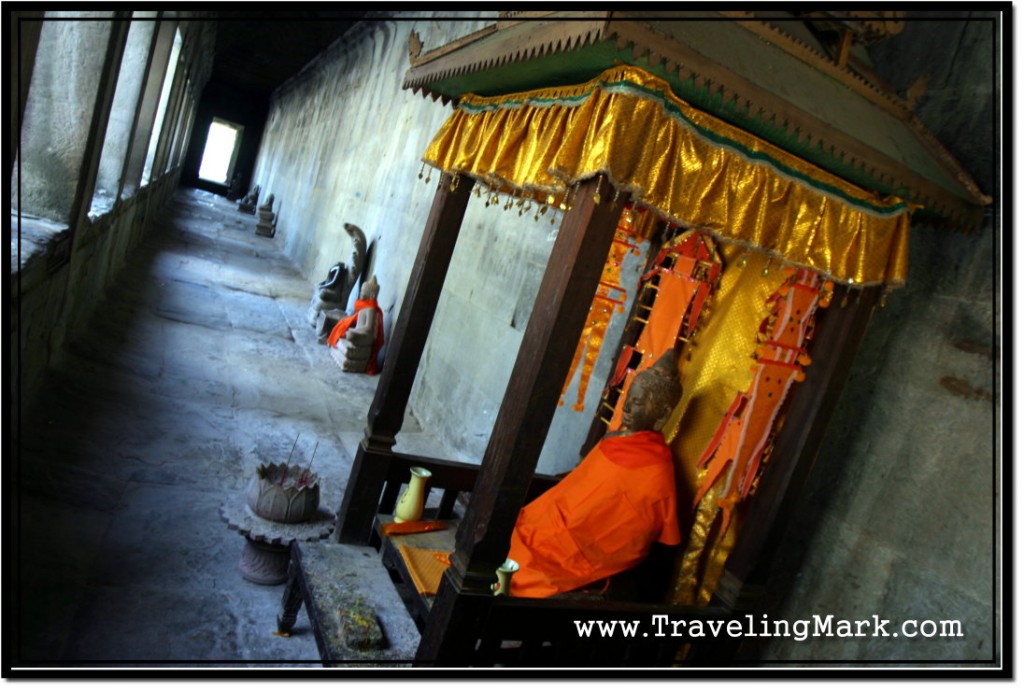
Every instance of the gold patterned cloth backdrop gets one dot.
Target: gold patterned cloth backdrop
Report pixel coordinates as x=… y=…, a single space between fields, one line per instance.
x=686 y=166
x=725 y=435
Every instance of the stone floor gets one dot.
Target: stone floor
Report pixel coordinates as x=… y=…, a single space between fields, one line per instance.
x=198 y=366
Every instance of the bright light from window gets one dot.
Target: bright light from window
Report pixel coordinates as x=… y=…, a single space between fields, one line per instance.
x=219 y=154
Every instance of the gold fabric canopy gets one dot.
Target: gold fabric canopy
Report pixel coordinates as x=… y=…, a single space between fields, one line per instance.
x=690 y=168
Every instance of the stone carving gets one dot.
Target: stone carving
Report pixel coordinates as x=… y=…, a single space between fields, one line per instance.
x=266 y=225
x=326 y=320
x=358 y=263
x=333 y=293
x=248 y=202
x=328 y=302
x=283 y=493
x=652 y=397
x=235 y=190
x=264 y=558
x=281 y=505
x=356 y=340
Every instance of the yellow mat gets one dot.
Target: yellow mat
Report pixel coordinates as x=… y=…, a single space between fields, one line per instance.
x=426 y=566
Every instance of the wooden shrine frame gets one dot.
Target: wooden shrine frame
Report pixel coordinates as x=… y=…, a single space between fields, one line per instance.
x=466 y=624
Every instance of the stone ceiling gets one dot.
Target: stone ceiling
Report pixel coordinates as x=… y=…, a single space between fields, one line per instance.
x=257 y=51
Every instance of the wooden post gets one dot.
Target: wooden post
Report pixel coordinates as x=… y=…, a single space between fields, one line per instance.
x=408 y=337
x=482 y=542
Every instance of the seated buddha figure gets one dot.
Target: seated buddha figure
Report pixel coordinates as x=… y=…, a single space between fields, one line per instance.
x=604 y=516
x=356 y=340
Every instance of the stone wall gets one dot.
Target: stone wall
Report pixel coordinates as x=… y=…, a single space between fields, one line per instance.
x=130 y=82
x=55 y=298
x=899 y=517
x=343 y=144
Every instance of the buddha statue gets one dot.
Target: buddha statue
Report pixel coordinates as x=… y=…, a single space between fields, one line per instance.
x=604 y=516
x=248 y=202
x=235 y=189
x=356 y=340
x=266 y=226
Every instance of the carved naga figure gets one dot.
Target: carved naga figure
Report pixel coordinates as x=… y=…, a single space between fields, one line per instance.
x=355 y=269
x=333 y=293
x=330 y=294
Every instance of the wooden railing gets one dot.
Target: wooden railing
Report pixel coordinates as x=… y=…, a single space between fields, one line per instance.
x=451 y=478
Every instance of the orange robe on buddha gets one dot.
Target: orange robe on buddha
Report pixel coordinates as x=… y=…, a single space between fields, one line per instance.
x=345 y=323
x=600 y=520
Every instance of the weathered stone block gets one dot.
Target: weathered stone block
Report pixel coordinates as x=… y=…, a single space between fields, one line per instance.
x=359 y=628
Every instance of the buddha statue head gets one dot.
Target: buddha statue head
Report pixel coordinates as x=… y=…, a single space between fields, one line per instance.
x=370 y=289
x=652 y=396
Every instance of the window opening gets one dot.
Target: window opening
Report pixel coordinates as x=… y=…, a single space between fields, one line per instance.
x=67 y=71
x=130 y=83
x=221 y=151
x=165 y=94
x=183 y=121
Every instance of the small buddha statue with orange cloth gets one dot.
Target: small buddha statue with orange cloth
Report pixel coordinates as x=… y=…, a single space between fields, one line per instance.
x=605 y=515
x=356 y=340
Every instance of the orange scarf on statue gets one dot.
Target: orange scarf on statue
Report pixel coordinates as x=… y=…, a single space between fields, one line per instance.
x=343 y=325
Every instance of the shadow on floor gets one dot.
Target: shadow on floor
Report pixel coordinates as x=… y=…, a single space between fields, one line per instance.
x=197 y=366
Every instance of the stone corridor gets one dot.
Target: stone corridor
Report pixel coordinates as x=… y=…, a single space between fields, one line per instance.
x=198 y=366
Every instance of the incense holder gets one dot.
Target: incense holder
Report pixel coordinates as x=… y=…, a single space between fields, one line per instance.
x=283 y=493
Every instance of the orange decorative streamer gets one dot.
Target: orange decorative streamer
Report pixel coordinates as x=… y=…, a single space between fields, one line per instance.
x=610 y=297
x=684 y=274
